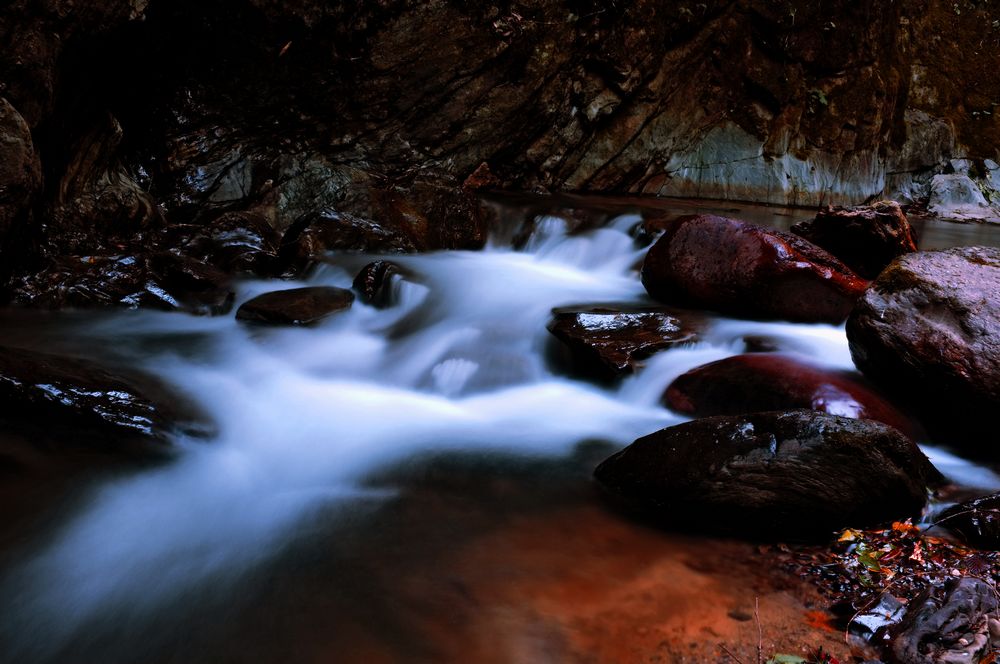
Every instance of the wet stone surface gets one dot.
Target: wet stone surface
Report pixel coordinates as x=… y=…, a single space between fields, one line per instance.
x=296 y=306
x=608 y=341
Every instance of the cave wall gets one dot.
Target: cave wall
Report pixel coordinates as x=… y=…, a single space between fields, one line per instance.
x=142 y=115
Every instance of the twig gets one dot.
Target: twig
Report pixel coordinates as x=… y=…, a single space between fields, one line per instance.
x=760 y=631
x=730 y=653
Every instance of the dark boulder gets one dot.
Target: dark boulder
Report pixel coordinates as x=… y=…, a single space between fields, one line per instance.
x=296 y=306
x=866 y=238
x=612 y=340
x=747 y=270
x=929 y=330
x=334 y=231
x=976 y=521
x=374 y=283
x=237 y=242
x=791 y=474
x=952 y=621
x=197 y=287
x=68 y=399
x=765 y=381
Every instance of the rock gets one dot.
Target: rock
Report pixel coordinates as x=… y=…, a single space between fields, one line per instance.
x=610 y=341
x=764 y=381
x=956 y=196
x=865 y=238
x=374 y=283
x=44 y=394
x=792 y=474
x=976 y=521
x=741 y=269
x=20 y=169
x=197 y=286
x=296 y=306
x=950 y=622
x=928 y=331
x=237 y=242
x=334 y=231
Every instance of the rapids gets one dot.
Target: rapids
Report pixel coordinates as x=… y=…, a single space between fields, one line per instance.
x=306 y=416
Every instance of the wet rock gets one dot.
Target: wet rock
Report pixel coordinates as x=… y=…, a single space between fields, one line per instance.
x=87 y=282
x=334 y=231
x=956 y=196
x=928 y=330
x=763 y=381
x=197 y=286
x=865 y=238
x=20 y=169
x=237 y=242
x=44 y=394
x=793 y=474
x=950 y=622
x=374 y=283
x=296 y=306
x=747 y=270
x=610 y=341
x=976 y=521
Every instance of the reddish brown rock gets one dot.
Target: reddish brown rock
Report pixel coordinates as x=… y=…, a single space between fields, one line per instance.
x=764 y=381
x=20 y=169
x=374 y=283
x=928 y=330
x=866 y=238
x=296 y=306
x=746 y=270
x=784 y=474
x=611 y=341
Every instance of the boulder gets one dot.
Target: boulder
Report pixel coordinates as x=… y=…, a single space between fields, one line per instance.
x=957 y=196
x=741 y=269
x=237 y=242
x=612 y=340
x=951 y=621
x=197 y=286
x=976 y=521
x=865 y=238
x=787 y=474
x=770 y=381
x=296 y=306
x=374 y=283
x=48 y=396
x=928 y=330
x=334 y=231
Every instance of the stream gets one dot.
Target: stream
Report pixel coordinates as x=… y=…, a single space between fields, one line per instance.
x=336 y=444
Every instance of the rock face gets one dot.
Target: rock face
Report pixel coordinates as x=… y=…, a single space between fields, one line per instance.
x=956 y=196
x=747 y=270
x=20 y=169
x=952 y=621
x=865 y=238
x=929 y=330
x=296 y=306
x=976 y=521
x=784 y=474
x=765 y=381
x=610 y=341
x=41 y=394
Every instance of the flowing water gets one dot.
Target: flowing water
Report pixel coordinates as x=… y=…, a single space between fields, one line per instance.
x=313 y=422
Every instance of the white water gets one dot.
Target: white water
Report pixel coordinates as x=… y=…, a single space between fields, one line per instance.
x=305 y=415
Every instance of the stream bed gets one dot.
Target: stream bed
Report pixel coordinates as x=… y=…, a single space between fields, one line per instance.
x=405 y=484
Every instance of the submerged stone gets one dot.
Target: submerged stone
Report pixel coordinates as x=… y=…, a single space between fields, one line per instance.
x=771 y=381
x=374 y=283
x=787 y=474
x=296 y=306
